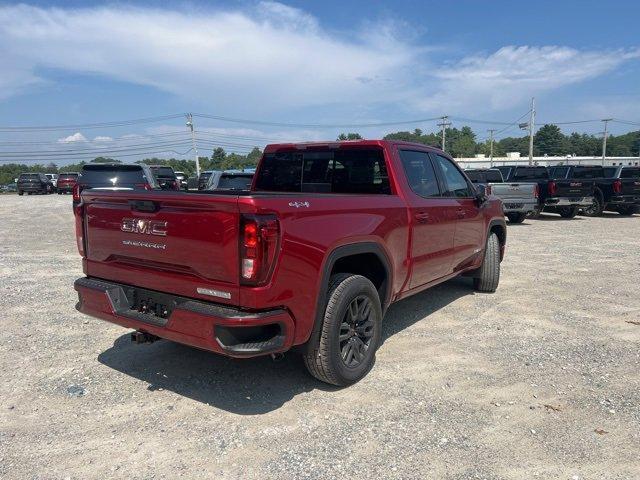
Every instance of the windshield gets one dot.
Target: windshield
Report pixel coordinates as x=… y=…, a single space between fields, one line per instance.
x=68 y=176
x=234 y=182
x=530 y=173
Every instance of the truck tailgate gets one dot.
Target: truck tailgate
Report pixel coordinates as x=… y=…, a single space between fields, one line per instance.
x=514 y=191
x=154 y=239
x=575 y=188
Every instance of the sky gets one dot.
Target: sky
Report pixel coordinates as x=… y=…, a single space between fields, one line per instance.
x=319 y=66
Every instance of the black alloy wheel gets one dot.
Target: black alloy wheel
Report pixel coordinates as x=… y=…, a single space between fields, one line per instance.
x=356 y=331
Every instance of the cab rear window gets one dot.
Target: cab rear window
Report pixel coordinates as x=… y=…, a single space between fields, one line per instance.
x=592 y=172
x=630 y=173
x=325 y=171
x=530 y=173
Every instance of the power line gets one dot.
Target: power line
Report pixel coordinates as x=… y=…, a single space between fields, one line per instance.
x=314 y=125
x=84 y=126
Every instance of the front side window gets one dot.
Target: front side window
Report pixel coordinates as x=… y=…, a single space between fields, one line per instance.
x=457 y=185
x=420 y=174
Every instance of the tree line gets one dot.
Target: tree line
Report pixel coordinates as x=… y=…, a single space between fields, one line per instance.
x=548 y=140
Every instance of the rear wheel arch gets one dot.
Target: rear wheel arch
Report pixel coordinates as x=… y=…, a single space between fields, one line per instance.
x=365 y=258
x=499 y=227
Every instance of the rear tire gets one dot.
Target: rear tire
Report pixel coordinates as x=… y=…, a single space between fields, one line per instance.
x=535 y=213
x=20 y=192
x=516 y=217
x=351 y=331
x=568 y=212
x=596 y=208
x=488 y=276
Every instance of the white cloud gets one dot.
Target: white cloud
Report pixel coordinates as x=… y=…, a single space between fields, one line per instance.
x=102 y=139
x=273 y=55
x=513 y=74
x=75 y=138
x=274 y=58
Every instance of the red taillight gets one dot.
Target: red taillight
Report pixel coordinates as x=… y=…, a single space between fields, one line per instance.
x=617 y=186
x=536 y=190
x=76 y=192
x=487 y=190
x=552 y=188
x=144 y=186
x=258 y=247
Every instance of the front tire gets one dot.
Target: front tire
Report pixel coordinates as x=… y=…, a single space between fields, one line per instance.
x=516 y=217
x=351 y=331
x=20 y=192
x=568 y=212
x=488 y=276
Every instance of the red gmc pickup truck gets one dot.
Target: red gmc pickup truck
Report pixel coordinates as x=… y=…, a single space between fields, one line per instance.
x=328 y=236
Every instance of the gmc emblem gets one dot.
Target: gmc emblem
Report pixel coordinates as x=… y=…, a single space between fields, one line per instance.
x=575 y=184
x=144 y=226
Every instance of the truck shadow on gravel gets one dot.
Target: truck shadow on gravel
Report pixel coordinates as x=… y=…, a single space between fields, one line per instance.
x=252 y=386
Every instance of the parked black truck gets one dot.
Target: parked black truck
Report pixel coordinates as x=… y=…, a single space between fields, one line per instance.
x=611 y=192
x=563 y=196
x=34 y=183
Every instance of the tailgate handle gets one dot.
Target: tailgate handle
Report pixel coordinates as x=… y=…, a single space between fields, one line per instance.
x=144 y=205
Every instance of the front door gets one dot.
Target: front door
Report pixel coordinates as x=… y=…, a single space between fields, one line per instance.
x=432 y=220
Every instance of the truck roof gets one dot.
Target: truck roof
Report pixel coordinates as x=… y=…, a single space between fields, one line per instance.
x=274 y=147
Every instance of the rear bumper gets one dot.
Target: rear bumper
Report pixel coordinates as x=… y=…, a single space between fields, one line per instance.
x=205 y=325
x=624 y=200
x=31 y=188
x=519 y=205
x=568 y=201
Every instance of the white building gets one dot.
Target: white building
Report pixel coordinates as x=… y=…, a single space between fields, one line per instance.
x=514 y=158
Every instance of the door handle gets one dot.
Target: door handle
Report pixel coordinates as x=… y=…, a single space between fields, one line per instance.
x=461 y=213
x=422 y=217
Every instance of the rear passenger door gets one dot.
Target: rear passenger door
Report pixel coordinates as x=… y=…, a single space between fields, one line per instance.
x=470 y=226
x=432 y=220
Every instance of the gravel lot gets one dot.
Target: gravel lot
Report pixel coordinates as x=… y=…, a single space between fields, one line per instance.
x=540 y=380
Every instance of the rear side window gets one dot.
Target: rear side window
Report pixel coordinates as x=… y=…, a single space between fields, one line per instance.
x=630 y=173
x=327 y=171
x=420 y=174
x=494 y=176
x=559 y=172
x=457 y=185
x=610 y=172
x=595 y=172
x=527 y=173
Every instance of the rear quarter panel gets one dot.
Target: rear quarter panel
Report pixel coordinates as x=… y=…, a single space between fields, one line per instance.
x=311 y=227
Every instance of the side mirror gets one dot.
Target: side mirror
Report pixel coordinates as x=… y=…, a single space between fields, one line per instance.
x=481 y=194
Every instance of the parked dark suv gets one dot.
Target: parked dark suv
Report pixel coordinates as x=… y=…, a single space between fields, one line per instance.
x=165 y=176
x=34 y=183
x=107 y=176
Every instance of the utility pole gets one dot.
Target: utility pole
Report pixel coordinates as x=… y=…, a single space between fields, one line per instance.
x=491 y=132
x=605 y=134
x=532 y=119
x=193 y=142
x=444 y=124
